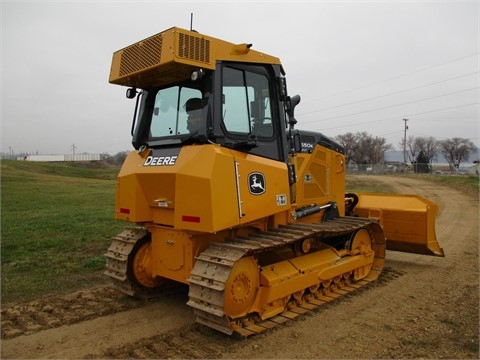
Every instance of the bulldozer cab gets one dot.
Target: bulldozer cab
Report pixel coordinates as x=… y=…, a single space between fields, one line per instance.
x=236 y=105
x=241 y=92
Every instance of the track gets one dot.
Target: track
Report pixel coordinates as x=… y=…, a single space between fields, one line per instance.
x=213 y=267
x=117 y=262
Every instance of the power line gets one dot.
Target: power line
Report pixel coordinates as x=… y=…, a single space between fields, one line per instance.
x=396 y=132
x=440 y=137
x=389 y=94
x=391 y=106
x=396 y=117
x=399 y=76
x=419 y=133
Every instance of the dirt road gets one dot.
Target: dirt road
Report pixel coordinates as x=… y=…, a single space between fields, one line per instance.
x=421 y=307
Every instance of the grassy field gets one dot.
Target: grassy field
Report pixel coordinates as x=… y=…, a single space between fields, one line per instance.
x=468 y=184
x=57 y=221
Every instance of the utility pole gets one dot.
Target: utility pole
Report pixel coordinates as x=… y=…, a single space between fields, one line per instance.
x=73 y=149
x=405 y=146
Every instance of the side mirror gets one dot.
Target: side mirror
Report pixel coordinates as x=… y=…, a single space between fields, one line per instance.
x=291 y=103
x=131 y=93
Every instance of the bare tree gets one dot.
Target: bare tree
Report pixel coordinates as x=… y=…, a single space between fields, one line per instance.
x=456 y=150
x=360 y=151
x=362 y=148
x=416 y=145
x=411 y=148
x=120 y=157
x=429 y=147
x=348 y=142
x=376 y=150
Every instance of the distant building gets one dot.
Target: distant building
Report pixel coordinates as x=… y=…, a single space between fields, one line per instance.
x=475 y=169
x=61 y=158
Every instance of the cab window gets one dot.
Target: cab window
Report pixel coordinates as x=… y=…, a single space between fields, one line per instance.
x=169 y=115
x=246 y=106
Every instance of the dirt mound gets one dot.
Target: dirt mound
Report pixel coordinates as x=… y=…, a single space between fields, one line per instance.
x=52 y=312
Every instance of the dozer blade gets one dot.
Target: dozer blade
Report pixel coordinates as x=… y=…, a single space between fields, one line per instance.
x=408 y=221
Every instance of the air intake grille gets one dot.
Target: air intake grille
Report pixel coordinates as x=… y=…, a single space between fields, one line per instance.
x=141 y=55
x=194 y=48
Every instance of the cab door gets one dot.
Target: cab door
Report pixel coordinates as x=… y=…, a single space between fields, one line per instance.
x=248 y=110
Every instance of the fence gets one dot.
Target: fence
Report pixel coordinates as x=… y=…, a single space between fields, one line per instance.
x=383 y=169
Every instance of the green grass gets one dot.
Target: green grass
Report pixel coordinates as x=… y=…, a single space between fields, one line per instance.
x=355 y=185
x=56 y=224
x=468 y=184
x=89 y=170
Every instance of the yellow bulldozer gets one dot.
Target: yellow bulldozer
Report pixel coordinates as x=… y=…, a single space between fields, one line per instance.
x=226 y=195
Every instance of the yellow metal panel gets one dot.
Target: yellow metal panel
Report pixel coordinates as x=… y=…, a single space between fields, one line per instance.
x=321 y=178
x=205 y=195
x=284 y=278
x=276 y=195
x=131 y=204
x=408 y=221
x=145 y=62
x=140 y=187
x=174 y=251
x=173 y=54
x=277 y=273
x=163 y=216
x=337 y=181
x=171 y=254
x=198 y=192
x=201 y=187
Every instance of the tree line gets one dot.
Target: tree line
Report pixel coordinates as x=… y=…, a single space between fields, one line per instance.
x=116 y=159
x=362 y=148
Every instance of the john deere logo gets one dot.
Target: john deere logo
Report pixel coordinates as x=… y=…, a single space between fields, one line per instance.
x=256 y=183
